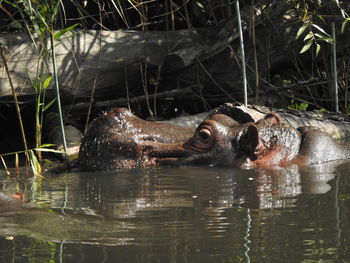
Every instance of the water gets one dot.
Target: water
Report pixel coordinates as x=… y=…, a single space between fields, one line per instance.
x=187 y=214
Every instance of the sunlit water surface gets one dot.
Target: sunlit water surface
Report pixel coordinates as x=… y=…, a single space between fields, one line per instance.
x=187 y=214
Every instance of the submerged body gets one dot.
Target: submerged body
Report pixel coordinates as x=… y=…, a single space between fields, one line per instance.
x=118 y=139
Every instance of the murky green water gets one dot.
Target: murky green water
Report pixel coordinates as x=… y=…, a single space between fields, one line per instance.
x=188 y=214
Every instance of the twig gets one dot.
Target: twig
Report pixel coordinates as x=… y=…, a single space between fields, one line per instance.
x=81 y=107
x=213 y=80
x=96 y=75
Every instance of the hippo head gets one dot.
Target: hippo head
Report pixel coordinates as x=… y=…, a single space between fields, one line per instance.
x=119 y=139
x=221 y=140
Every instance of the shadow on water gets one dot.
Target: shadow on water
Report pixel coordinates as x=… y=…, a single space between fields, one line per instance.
x=187 y=214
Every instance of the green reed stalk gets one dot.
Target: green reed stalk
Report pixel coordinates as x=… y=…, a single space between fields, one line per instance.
x=245 y=92
x=18 y=110
x=54 y=64
x=334 y=68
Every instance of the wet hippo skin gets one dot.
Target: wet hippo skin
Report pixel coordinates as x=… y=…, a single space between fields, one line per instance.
x=118 y=139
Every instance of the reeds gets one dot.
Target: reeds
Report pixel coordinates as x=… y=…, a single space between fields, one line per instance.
x=40 y=26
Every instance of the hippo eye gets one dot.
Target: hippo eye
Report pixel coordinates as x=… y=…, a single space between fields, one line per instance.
x=204 y=134
x=203 y=139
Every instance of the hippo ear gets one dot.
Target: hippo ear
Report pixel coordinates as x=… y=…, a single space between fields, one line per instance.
x=250 y=141
x=272 y=118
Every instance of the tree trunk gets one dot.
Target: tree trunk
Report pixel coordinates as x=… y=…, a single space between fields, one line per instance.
x=107 y=60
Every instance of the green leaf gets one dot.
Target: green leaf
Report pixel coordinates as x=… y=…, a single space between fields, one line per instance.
x=41 y=19
x=63 y=31
x=200 y=5
x=35 y=165
x=54 y=245
x=326 y=39
x=321 y=18
x=47 y=82
x=305 y=12
x=319 y=35
x=320 y=29
x=318 y=48
x=309 y=35
x=48 y=150
x=11 y=4
x=55 y=9
x=306 y=47
x=301 y=30
x=296 y=106
x=303 y=106
x=48 y=105
x=344 y=24
x=46 y=145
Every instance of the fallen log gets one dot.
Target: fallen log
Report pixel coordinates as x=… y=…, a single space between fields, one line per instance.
x=337 y=125
x=106 y=60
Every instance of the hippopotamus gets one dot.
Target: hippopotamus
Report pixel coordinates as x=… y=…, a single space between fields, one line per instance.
x=119 y=139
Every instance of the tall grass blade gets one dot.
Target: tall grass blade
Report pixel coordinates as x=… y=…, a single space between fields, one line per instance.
x=17 y=163
x=334 y=68
x=65 y=30
x=58 y=93
x=35 y=164
x=5 y=166
x=245 y=91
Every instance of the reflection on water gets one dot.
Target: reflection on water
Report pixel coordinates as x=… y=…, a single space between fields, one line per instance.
x=187 y=214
